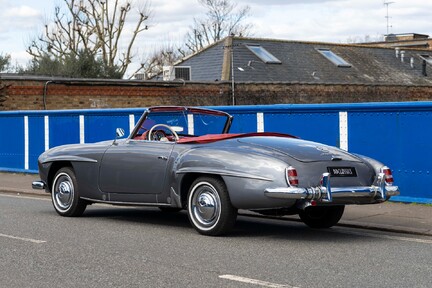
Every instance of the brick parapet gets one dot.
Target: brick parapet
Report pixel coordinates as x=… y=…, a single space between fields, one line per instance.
x=28 y=94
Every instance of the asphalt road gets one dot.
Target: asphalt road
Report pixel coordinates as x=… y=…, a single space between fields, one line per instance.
x=142 y=247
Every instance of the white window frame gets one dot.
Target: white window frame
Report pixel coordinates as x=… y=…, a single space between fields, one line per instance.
x=264 y=55
x=334 y=58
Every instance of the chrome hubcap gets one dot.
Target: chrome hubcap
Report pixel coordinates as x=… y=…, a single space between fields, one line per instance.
x=205 y=205
x=63 y=191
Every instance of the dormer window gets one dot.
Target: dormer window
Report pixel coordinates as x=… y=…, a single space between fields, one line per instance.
x=263 y=54
x=335 y=59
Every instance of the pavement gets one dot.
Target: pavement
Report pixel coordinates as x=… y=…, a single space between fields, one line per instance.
x=389 y=216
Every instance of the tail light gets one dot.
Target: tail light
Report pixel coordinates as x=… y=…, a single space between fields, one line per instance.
x=388 y=176
x=291 y=176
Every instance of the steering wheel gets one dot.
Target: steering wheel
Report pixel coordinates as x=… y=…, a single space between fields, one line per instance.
x=150 y=134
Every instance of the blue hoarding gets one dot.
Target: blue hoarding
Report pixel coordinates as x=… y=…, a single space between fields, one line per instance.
x=398 y=134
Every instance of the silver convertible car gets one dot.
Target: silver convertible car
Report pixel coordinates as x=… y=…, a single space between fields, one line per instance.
x=185 y=158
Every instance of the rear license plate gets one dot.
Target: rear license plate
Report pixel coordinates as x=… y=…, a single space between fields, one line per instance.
x=342 y=171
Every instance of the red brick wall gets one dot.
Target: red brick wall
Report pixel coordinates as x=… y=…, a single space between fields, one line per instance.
x=25 y=94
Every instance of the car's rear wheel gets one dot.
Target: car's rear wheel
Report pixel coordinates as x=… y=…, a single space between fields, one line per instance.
x=209 y=207
x=322 y=217
x=64 y=194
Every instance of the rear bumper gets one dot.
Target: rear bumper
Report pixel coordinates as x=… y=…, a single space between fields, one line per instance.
x=378 y=192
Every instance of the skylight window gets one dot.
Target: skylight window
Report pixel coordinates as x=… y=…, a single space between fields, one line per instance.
x=263 y=54
x=335 y=59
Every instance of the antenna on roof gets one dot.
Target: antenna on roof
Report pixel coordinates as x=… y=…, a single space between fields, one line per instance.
x=387 y=4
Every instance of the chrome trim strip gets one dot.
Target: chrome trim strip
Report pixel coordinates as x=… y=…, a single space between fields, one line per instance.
x=68 y=158
x=221 y=172
x=127 y=203
x=40 y=185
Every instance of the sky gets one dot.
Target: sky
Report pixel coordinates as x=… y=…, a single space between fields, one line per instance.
x=310 y=20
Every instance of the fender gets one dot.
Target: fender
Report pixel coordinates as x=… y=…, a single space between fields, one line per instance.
x=375 y=164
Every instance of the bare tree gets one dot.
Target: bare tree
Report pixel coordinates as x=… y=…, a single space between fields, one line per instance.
x=222 y=19
x=364 y=39
x=166 y=55
x=93 y=26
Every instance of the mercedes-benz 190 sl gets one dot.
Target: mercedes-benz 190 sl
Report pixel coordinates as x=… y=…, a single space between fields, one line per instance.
x=185 y=158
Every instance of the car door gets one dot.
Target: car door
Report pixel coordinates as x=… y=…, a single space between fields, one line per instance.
x=135 y=167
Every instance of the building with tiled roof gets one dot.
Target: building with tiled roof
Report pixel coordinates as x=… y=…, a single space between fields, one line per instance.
x=268 y=60
x=245 y=71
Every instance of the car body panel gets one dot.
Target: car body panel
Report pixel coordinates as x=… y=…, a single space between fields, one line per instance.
x=121 y=168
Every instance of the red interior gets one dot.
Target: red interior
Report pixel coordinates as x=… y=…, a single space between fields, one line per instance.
x=217 y=137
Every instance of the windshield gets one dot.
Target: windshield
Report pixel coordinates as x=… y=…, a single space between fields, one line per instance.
x=186 y=122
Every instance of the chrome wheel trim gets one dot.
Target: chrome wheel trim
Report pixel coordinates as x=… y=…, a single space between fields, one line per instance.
x=63 y=192
x=204 y=206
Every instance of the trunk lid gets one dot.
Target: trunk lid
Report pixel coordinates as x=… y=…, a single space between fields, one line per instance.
x=301 y=150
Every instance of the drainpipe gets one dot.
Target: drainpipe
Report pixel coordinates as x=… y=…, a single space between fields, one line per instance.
x=232 y=75
x=45 y=93
x=424 y=68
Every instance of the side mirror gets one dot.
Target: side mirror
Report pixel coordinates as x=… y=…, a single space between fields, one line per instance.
x=120 y=132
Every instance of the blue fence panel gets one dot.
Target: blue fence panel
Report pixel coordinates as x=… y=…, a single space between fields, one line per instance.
x=244 y=123
x=320 y=127
x=401 y=140
x=63 y=129
x=373 y=134
x=12 y=141
x=103 y=127
x=398 y=134
x=413 y=156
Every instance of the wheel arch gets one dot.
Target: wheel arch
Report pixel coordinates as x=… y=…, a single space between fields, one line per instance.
x=56 y=166
x=187 y=181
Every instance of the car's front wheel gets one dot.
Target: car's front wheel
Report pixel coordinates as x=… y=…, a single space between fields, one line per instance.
x=209 y=207
x=322 y=217
x=64 y=194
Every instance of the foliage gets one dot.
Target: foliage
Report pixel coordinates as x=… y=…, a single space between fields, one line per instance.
x=90 y=30
x=81 y=65
x=5 y=62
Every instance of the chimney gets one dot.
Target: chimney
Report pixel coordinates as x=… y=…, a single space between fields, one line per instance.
x=412 y=62
x=424 y=68
x=402 y=54
x=397 y=52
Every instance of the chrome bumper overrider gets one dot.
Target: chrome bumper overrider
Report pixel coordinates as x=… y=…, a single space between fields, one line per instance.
x=379 y=191
x=40 y=185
